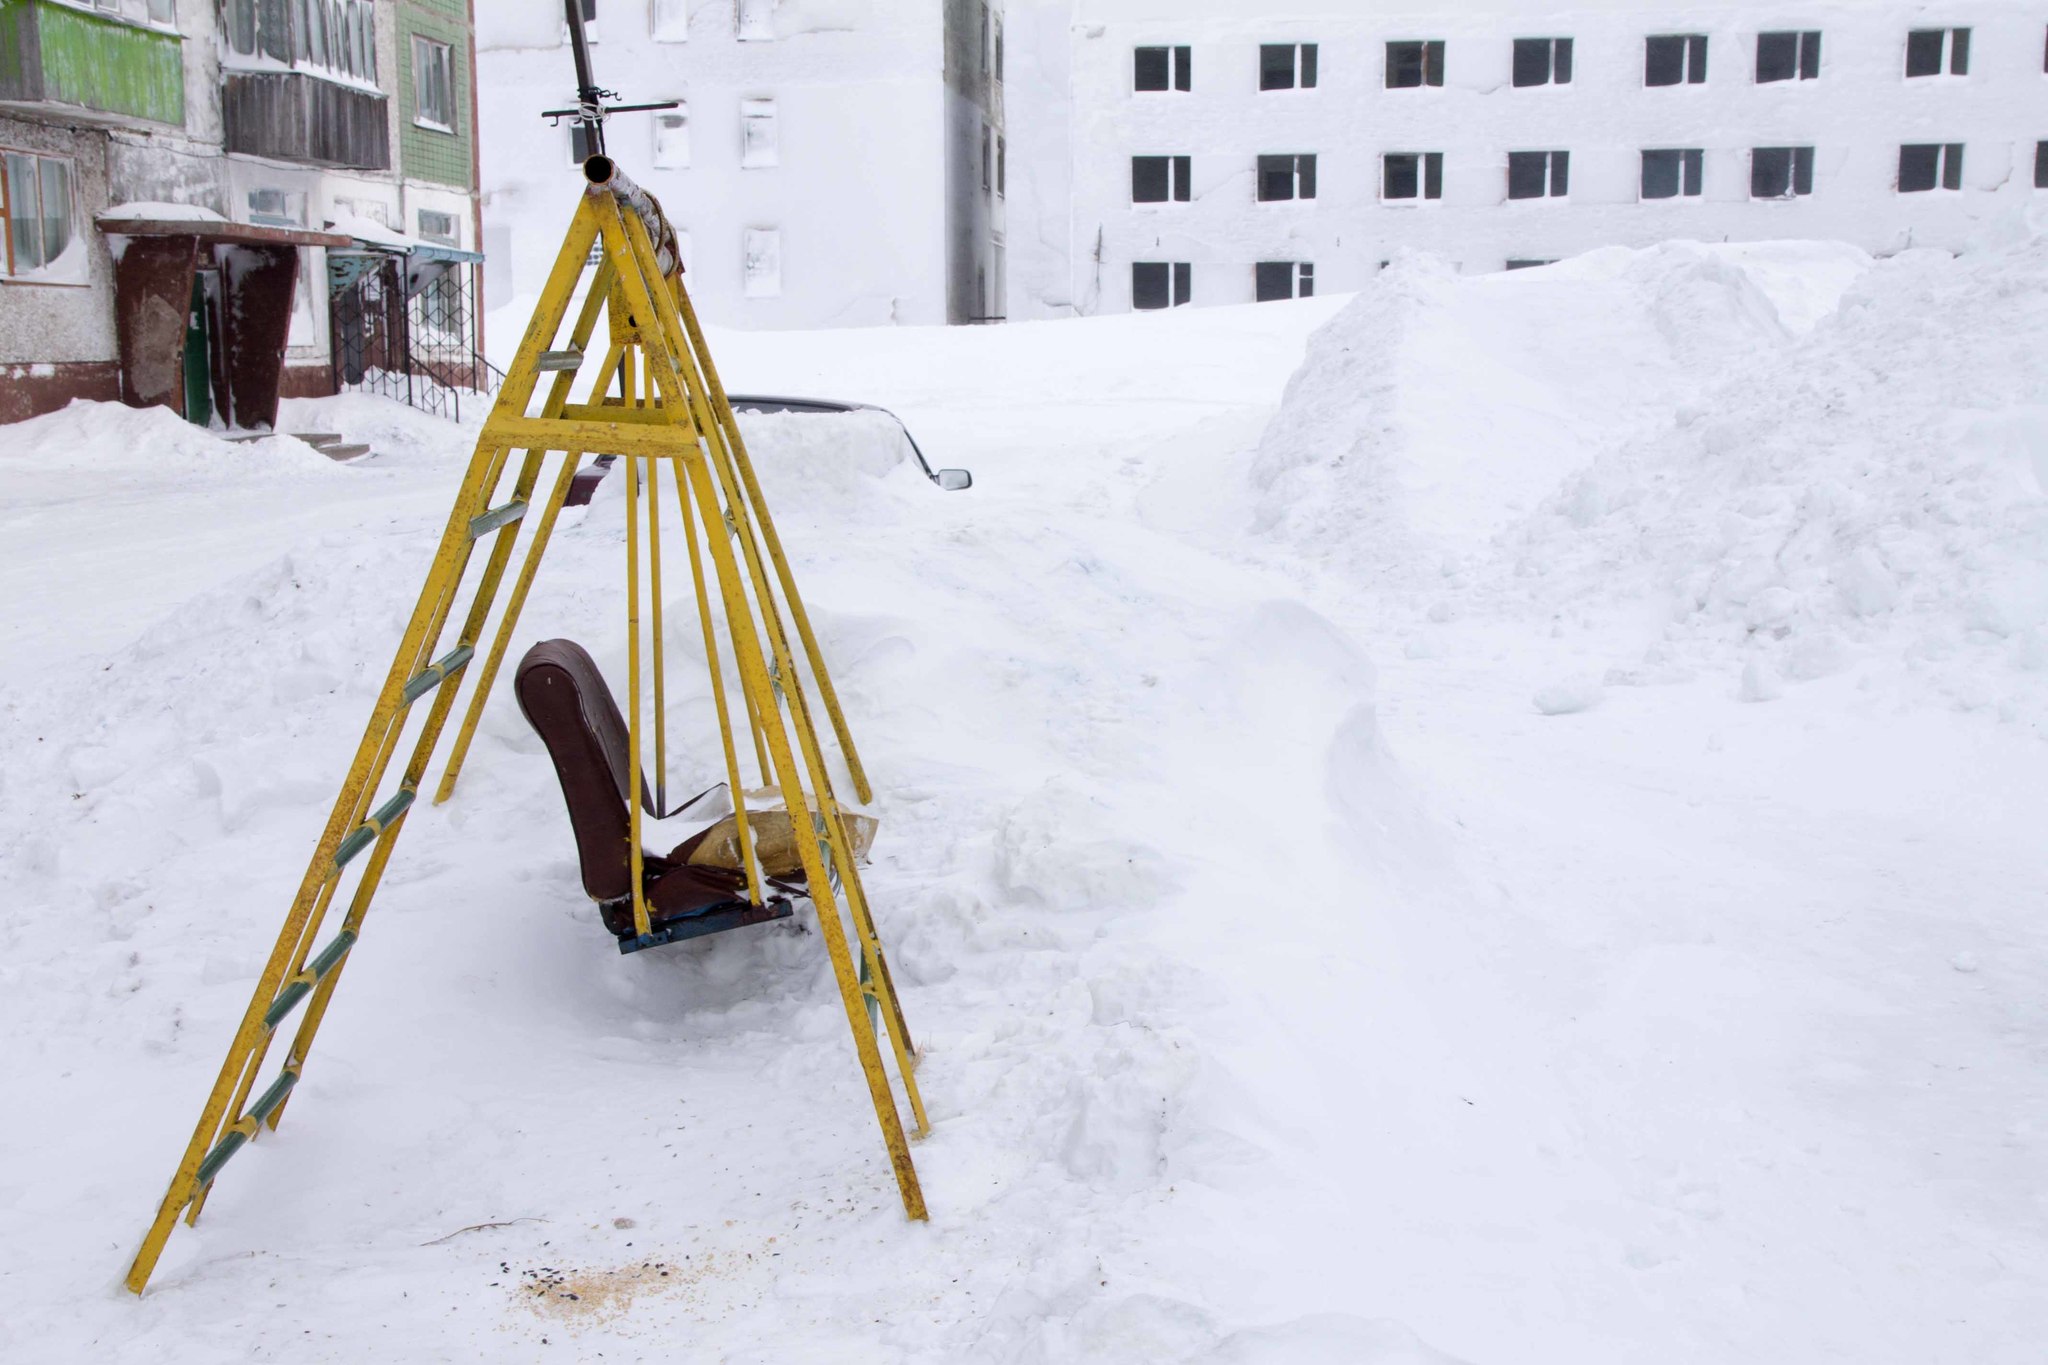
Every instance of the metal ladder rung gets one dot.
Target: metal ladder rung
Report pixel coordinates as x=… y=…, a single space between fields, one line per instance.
x=244 y=1129
x=365 y=834
x=300 y=986
x=437 y=672
x=552 y=361
x=496 y=518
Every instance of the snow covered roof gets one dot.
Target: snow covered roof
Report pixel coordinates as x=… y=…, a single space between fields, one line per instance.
x=370 y=232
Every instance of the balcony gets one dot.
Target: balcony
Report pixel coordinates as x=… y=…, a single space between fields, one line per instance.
x=57 y=55
x=303 y=116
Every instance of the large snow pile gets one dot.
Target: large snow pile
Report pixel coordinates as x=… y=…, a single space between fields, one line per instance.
x=1780 y=458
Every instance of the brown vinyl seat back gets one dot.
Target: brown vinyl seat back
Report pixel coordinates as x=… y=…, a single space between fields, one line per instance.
x=565 y=699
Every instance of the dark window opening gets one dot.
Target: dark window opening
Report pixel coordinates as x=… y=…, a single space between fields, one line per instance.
x=1675 y=59
x=1161 y=284
x=1543 y=61
x=1539 y=175
x=1780 y=172
x=1670 y=174
x=1287 y=177
x=1931 y=50
x=1160 y=179
x=1529 y=262
x=1787 y=57
x=1002 y=167
x=1926 y=165
x=1411 y=65
x=1274 y=280
x=1413 y=175
x=1286 y=66
x=1164 y=68
x=2041 y=165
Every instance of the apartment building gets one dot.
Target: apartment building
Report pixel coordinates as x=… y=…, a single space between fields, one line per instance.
x=829 y=162
x=209 y=203
x=1222 y=151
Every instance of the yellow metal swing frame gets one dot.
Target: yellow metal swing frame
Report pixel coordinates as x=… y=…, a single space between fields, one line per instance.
x=669 y=410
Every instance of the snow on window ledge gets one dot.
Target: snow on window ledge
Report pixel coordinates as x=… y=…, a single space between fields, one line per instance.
x=72 y=268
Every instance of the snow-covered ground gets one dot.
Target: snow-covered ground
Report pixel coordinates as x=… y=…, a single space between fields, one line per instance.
x=1519 y=842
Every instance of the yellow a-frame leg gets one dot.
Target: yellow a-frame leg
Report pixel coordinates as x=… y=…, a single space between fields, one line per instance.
x=682 y=419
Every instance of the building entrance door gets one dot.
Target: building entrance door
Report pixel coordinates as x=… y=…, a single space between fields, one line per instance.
x=198 y=356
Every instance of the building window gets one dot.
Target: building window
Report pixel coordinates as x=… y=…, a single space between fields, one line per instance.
x=36 y=210
x=1780 y=172
x=1926 y=165
x=669 y=21
x=287 y=208
x=1161 y=284
x=1283 y=280
x=1675 y=59
x=1163 y=68
x=672 y=138
x=999 y=49
x=988 y=159
x=1930 y=51
x=1002 y=167
x=1543 y=61
x=2041 y=165
x=1672 y=174
x=444 y=228
x=759 y=142
x=1413 y=175
x=433 y=85
x=1158 y=179
x=1413 y=65
x=1529 y=262
x=761 y=263
x=988 y=42
x=589 y=19
x=582 y=146
x=754 y=21
x=1539 y=175
x=1787 y=57
x=1287 y=66
x=1287 y=177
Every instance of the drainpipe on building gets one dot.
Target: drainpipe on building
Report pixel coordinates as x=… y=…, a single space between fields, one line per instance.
x=476 y=181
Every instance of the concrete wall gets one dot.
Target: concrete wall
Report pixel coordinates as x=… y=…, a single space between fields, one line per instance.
x=1856 y=115
x=858 y=196
x=975 y=211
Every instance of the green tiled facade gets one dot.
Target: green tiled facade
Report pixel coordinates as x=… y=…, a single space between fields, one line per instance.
x=71 y=56
x=428 y=153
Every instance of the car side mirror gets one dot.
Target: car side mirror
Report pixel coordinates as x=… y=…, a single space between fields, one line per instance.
x=953 y=480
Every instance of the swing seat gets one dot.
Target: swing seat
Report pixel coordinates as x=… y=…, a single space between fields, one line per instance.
x=564 y=698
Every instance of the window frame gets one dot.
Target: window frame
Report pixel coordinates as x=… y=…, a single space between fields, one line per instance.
x=1300 y=280
x=9 y=272
x=1692 y=170
x=1300 y=171
x=1179 y=281
x=1179 y=178
x=1429 y=178
x=2041 y=164
x=441 y=65
x=1951 y=56
x=1806 y=51
x=1947 y=168
x=1692 y=60
x=1798 y=172
x=454 y=237
x=1179 y=73
x=1557 y=175
x=1552 y=47
x=1430 y=58
x=1304 y=66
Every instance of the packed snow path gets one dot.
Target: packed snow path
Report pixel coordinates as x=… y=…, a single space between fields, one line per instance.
x=1273 y=1012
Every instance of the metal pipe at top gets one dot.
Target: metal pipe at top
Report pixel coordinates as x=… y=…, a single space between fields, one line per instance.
x=588 y=96
x=605 y=177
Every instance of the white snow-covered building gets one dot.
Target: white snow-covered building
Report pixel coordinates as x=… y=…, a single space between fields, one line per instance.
x=831 y=162
x=1218 y=151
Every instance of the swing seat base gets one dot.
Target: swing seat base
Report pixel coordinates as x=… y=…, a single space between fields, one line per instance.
x=714 y=919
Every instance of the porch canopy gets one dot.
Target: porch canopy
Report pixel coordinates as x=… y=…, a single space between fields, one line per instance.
x=192 y=289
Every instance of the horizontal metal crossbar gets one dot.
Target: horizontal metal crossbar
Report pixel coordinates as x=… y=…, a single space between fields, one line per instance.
x=245 y=1128
x=479 y=527
x=551 y=361
x=300 y=986
x=437 y=672
x=365 y=834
